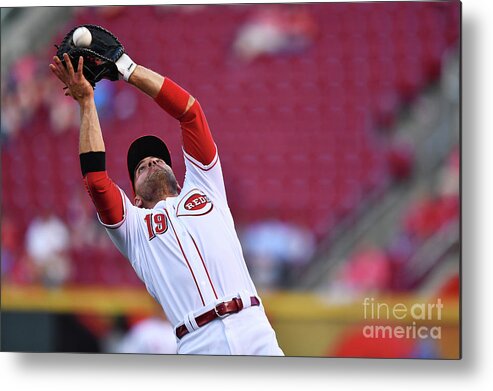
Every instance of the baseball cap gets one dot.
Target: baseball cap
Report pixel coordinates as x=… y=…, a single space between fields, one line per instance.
x=143 y=147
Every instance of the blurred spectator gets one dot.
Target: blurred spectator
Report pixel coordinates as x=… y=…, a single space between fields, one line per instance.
x=63 y=114
x=276 y=251
x=103 y=97
x=47 y=244
x=425 y=216
x=21 y=95
x=400 y=159
x=11 y=242
x=367 y=271
x=26 y=90
x=85 y=230
x=275 y=30
x=153 y=335
x=399 y=251
x=428 y=214
x=450 y=174
x=11 y=117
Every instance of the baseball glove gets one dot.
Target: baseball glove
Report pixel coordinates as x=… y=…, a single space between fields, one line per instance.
x=100 y=56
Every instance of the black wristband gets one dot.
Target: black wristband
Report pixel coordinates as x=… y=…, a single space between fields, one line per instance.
x=92 y=162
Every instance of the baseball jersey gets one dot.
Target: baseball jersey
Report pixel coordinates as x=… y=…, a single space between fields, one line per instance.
x=186 y=250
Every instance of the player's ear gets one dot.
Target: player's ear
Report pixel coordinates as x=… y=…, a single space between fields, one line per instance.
x=138 y=202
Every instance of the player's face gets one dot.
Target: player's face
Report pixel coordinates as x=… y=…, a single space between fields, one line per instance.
x=147 y=166
x=154 y=180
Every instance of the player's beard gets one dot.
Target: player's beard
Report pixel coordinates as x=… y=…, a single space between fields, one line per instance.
x=158 y=185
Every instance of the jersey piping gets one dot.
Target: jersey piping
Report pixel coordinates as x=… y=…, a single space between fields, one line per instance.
x=186 y=259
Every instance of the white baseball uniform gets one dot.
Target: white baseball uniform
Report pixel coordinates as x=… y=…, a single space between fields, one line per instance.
x=187 y=253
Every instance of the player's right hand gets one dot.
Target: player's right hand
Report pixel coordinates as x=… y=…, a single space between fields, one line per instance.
x=76 y=85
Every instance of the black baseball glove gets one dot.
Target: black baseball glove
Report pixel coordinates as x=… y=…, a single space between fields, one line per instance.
x=100 y=57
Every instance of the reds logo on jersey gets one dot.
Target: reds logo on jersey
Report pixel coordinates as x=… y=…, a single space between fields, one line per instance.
x=194 y=203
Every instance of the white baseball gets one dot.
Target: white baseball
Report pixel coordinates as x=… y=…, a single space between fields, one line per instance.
x=82 y=37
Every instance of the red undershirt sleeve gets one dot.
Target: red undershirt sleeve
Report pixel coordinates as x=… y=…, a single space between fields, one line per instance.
x=196 y=136
x=106 y=196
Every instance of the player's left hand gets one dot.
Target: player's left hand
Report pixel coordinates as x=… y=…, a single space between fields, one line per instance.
x=104 y=55
x=76 y=85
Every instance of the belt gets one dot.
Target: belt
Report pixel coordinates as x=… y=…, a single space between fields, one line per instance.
x=219 y=311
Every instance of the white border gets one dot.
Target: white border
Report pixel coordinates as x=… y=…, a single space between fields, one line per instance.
x=83 y=372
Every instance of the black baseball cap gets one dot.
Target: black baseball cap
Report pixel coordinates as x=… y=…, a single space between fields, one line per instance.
x=143 y=147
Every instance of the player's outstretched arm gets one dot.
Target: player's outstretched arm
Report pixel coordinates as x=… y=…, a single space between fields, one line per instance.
x=104 y=193
x=146 y=80
x=91 y=138
x=177 y=102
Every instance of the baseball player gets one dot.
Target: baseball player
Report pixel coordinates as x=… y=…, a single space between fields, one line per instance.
x=181 y=242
